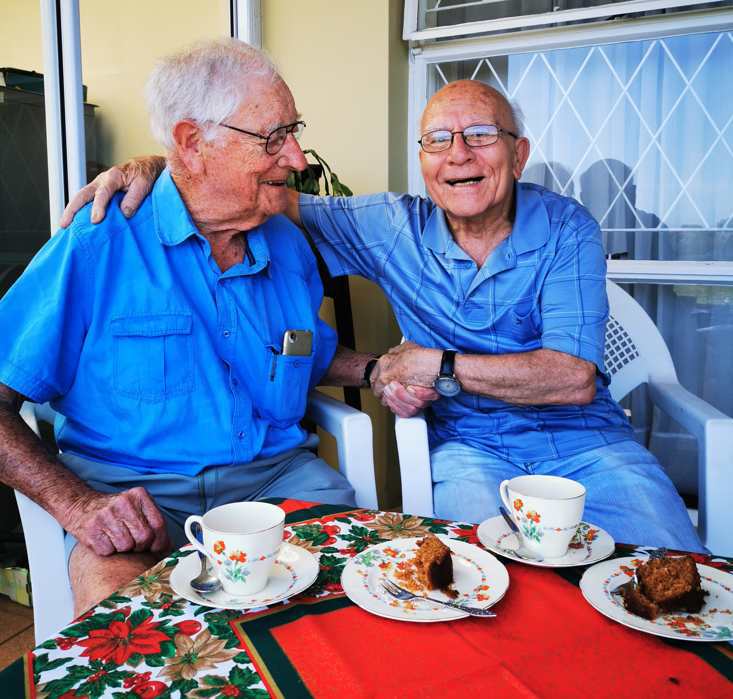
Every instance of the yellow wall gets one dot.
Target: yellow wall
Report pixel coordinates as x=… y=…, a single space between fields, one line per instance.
x=120 y=43
x=347 y=67
x=20 y=35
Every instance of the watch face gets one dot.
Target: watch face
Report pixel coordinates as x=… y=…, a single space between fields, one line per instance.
x=447 y=386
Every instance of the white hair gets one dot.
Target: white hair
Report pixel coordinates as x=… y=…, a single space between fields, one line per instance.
x=517 y=116
x=206 y=82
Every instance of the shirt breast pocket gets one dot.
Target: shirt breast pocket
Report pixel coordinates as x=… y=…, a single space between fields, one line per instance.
x=286 y=388
x=153 y=356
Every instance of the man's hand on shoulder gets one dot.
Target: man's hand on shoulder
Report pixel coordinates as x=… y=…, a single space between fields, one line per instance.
x=118 y=522
x=136 y=177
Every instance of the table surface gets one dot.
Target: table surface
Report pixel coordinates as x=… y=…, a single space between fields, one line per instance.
x=145 y=641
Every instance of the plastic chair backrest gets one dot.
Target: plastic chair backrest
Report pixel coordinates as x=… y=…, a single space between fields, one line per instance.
x=635 y=351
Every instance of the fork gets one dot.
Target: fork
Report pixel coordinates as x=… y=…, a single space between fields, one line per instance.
x=401 y=594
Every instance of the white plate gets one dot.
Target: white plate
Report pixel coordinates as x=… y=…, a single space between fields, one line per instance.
x=295 y=570
x=479 y=578
x=589 y=545
x=714 y=622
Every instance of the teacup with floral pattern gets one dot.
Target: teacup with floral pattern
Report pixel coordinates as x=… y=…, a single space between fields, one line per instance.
x=547 y=510
x=242 y=540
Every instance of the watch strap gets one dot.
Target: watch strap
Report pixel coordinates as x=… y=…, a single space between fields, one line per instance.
x=448 y=363
x=368 y=369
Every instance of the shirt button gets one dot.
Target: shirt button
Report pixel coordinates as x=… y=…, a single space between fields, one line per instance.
x=240 y=435
x=226 y=333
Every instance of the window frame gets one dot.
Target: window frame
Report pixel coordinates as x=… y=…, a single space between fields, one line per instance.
x=411 y=22
x=537 y=40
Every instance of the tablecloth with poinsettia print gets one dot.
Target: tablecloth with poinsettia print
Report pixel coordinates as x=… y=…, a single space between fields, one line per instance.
x=146 y=642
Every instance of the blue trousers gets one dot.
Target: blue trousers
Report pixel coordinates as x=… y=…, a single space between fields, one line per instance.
x=298 y=474
x=628 y=493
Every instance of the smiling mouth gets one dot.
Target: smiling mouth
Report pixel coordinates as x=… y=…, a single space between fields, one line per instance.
x=275 y=183
x=464 y=181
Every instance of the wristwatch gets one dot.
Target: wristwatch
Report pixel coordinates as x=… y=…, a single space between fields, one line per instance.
x=368 y=368
x=446 y=384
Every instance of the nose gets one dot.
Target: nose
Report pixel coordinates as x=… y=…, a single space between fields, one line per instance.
x=291 y=155
x=459 y=152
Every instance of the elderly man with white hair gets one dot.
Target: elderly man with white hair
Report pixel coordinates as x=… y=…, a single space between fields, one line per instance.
x=158 y=337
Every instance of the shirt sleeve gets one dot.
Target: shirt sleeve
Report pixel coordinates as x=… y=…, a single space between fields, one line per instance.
x=574 y=304
x=44 y=319
x=351 y=233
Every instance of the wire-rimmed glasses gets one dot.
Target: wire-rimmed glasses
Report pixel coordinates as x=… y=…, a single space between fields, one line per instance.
x=275 y=140
x=476 y=136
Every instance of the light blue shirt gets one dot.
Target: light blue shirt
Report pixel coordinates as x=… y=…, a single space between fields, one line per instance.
x=542 y=287
x=156 y=359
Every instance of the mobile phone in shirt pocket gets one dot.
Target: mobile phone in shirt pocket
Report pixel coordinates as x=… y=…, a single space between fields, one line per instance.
x=153 y=356
x=285 y=392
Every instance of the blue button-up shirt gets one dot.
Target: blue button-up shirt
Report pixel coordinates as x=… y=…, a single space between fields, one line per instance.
x=156 y=359
x=542 y=287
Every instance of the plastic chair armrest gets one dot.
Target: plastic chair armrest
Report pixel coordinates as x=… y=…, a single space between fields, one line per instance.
x=684 y=407
x=714 y=433
x=352 y=430
x=414 y=455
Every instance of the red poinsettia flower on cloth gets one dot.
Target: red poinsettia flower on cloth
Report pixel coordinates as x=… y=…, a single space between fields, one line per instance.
x=188 y=626
x=331 y=529
x=470 y=536
x=150 y=690
x=119 y=641
x=230 y=690
x=363 y=516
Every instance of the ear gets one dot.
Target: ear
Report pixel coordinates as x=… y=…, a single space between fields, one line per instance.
x=188 y=144
x=521 y=155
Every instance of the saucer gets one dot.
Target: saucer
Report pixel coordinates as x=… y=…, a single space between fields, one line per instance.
x=479 y=578
x=295 y=570
x=589 y=545
x=714 y=622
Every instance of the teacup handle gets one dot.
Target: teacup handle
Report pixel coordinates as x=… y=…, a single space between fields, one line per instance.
x=190 y=535
x=504 y=495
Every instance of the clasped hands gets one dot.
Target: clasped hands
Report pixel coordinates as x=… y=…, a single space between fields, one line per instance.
x=403 y=378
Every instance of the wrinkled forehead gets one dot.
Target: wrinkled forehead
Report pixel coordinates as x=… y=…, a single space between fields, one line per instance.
x=468 y=104
x=268 y=101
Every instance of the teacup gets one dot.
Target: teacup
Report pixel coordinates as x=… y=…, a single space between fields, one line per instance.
x=241 y=540
x=547 y=510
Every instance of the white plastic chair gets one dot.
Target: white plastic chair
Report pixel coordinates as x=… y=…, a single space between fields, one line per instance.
x=635 y=354
x=53 y=604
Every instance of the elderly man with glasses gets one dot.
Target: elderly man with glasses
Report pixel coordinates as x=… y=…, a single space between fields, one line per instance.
x=499 y=289
x=159 y=337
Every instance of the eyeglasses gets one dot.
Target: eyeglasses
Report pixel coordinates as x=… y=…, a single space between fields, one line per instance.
x=476 y=136
x=275 y=140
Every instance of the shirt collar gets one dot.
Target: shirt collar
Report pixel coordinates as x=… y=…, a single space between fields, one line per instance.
x=438 y=238
x=530 y=231
x=173 y=224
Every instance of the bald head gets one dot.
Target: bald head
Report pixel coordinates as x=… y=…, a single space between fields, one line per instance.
x=483 y=96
